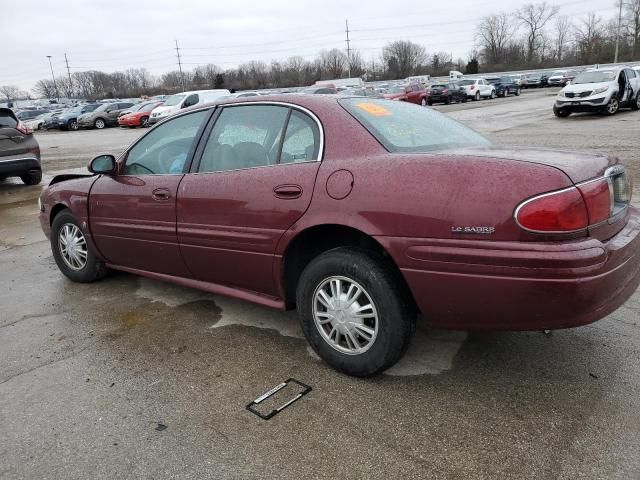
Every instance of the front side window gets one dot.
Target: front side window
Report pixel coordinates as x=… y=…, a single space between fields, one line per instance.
x=243 y=137
x=403 y=127
x=164 y=150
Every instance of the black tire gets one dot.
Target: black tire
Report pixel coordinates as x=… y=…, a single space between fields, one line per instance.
x=94 y=269
x=100 y=123
x=493 y=95
x=429 y=102
x=635 y=105
x=73 y=125
x=144 y=122
x=447 y=100
x=396 y=316
x=561 y=112
x=476 y=97
x=31 y=178
x=464 y=99
x=517 y=94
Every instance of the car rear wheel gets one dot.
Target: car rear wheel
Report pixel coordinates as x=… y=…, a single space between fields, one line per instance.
x=477 y=97
x=561 y=112
x=636 y=105
x=71 y=251
x=99 y=123
x=31 y=178
x=353 y=312
x=613 y=106
x=144 y=121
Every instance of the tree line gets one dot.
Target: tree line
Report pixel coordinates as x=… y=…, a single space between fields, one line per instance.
x=533 y=36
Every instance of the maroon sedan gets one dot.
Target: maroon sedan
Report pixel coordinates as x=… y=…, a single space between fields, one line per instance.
x=360 y=213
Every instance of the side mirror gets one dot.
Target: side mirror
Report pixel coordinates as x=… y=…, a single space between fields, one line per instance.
x=103 y=164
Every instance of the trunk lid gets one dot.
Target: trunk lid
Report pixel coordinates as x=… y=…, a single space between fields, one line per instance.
x=578 y=166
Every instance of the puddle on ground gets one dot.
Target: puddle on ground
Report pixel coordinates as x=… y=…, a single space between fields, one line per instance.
x=285 y=323
x=169 y=294
x=431 y=352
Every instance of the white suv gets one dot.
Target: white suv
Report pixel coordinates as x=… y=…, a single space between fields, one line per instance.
x=477 y=88
x=604 y=90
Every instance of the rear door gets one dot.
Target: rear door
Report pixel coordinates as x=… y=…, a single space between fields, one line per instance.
x=252 y=182
x=12 y=142
x=133 y=214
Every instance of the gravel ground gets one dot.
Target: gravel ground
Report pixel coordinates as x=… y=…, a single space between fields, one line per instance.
x=91 y=374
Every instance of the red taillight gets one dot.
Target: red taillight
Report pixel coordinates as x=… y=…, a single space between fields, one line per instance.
x=563 y=211
x=22 y=128
x=597 y=196
x=445 y=90
x=472 y=87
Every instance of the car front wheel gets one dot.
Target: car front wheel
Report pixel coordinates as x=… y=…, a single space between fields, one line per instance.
x=71 y=251
x=517 y=94
x=353 y=311
x=493 y=94
x=613 y=106
x=561 y=112
x=72 y=125
x=144 y=122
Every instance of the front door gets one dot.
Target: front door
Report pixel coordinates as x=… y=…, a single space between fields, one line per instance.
x=252 y=183
x=132 y=214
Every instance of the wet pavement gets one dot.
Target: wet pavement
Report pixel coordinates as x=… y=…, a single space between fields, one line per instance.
x=89 y=372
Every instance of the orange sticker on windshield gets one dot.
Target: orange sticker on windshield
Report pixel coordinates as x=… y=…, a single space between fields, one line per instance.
x=373 y=109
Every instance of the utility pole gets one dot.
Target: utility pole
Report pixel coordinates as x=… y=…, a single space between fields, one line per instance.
x=180 y=66
x=54 y=79
x=615 y=58
x=69 y=74
x=346 y=22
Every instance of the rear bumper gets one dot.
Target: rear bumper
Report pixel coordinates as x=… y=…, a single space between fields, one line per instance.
x=18 y=166
x=129 y=122
x=475 y=285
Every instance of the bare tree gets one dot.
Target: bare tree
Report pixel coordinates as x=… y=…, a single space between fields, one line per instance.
x=494 y=34
x=562 y=28
x=334 y=62
x=11 y=92
x=534 y=17
x=356 y=64
x=589 y=35
x=632 y=24
x=403 y=57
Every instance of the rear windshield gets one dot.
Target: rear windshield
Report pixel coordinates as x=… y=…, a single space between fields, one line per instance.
x=467 y=82
x=7 y=119
x=404 y=127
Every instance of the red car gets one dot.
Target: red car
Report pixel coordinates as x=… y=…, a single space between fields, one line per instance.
x=412 y=93
x=360 y=213
x=138 y=115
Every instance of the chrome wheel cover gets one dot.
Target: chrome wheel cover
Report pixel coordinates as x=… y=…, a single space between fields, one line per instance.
x=345 y=315
x=612 y=107
x=72 y=246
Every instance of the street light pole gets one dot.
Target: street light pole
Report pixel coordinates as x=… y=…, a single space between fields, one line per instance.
x=54 y=79
x=615 y=58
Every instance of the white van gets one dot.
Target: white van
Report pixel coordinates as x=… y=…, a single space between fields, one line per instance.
x=455 y=75
x=183 y=100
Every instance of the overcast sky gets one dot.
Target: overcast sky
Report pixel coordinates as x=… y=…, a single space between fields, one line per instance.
x=119 y=34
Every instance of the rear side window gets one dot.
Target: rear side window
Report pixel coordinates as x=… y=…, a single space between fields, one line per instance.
x=244 y=137
x=404 y=127
x=7 y=119
x=301 y=142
